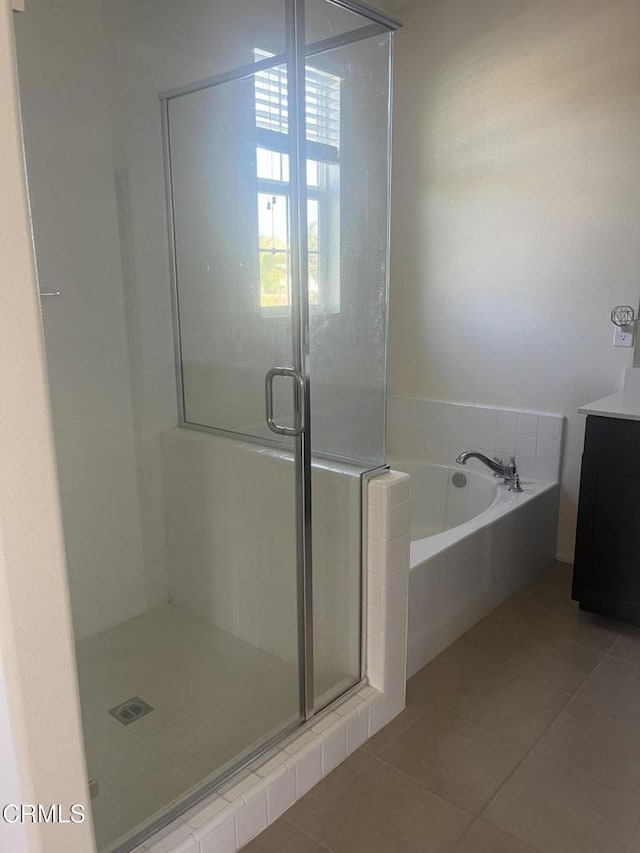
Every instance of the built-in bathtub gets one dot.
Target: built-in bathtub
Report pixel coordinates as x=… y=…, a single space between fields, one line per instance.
x=472 y=545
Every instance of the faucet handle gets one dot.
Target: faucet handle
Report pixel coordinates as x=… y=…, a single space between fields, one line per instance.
x=514 y=485
x=511 y=476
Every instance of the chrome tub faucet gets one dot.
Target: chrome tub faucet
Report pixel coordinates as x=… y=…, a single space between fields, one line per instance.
x=507 y=471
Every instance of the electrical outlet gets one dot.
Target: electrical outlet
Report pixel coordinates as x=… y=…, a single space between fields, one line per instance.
x=623 y=336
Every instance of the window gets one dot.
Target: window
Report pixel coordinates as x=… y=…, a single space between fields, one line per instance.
x=272 y=168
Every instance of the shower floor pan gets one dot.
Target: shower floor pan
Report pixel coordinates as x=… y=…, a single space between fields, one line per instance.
x=212 y=696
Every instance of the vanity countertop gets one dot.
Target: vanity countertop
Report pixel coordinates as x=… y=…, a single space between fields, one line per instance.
x=624 y=404
x=619 y=405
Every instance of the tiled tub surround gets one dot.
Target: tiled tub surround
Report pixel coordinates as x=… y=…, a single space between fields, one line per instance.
x=227 y=820
x=486 y=542
x=437 y=431
x=458 y=575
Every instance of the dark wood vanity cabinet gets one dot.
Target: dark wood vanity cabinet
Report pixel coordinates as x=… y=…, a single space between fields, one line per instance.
x=606 y=572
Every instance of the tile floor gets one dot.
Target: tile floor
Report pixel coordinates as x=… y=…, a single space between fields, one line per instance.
x=196 y=677
x=522 y=736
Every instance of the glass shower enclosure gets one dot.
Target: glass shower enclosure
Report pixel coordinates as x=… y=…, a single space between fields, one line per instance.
x=270 y=155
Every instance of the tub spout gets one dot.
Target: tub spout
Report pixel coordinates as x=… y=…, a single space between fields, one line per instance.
x=508 y=471
x=496 y=465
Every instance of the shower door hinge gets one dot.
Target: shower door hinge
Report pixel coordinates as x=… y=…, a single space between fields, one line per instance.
x=17 y=5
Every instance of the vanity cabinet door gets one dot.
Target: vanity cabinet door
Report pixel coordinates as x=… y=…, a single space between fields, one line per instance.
x=607 y=559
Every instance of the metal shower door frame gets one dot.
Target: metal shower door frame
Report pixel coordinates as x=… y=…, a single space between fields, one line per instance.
x=297 y=53
x=296 y=61
x=295 y=57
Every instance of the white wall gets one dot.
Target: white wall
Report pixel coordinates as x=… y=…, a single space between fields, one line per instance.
x=65 y=86
x=40 y=735
x=516 y=206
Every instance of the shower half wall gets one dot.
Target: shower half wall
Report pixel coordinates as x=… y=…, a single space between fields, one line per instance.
x=184 y=542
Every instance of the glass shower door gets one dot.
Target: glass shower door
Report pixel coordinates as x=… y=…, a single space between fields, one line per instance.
x=347 y=129
x=279 y=185
x=228 y=182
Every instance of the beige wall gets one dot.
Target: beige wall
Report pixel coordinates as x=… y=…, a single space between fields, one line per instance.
x=40 y=742
x=516 y=206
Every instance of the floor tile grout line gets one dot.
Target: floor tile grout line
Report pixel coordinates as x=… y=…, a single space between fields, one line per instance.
x=424 y=787
x=576 y=698
x=520 y=763
x=623 y=718
x=583 y=772
x=618 y=714
x=563 y=599
x=466 y=719
x=567 y=595
x=570 y=696
x=429 y=790
x=547 y=595
x=622 y=660
x=413 y=782
x=489 y=658
x=423 y=711
x=529 y=752
x=539 y=592
x=589 y=677
x=295 y=828
x=519 y=622
x=501 y=734
x=495 y=663
x=531 y=848
x=633 y=836
x=315 y=840
x=330 y=796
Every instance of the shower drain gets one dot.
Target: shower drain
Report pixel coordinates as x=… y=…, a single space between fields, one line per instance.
x=131 y=710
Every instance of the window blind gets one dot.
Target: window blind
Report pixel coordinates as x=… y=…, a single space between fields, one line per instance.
x=322 y=108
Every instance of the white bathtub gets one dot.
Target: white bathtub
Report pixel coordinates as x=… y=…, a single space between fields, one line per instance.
x=471 y=547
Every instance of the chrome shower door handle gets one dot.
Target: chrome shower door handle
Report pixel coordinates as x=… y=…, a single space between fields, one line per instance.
x=298 y=400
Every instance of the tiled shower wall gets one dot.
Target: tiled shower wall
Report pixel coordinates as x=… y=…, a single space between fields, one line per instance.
x=438 y=431
x=227 y=820
x=231 y=544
